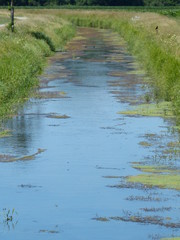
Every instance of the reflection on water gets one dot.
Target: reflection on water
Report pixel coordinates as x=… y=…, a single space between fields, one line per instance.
x=80 y=178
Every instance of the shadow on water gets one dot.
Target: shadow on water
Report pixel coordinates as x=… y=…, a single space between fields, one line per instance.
x=80 y=187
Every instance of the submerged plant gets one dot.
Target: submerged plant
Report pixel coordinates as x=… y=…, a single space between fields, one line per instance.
x=8 y=215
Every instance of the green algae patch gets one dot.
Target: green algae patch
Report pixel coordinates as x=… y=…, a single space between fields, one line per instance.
x=50 y=95
x=31 y=157
x=176 y=238
x=163 y=109
x=112 y=177
x=154 y=220
x=145 y=144
x=9 y=158
x=48 y=231
x=5 y=133
x=174 y=144
x=58 y=116
x=157 y=180
x=101 y=219
x=138 y=218
x=78 y=38
x=156 y=169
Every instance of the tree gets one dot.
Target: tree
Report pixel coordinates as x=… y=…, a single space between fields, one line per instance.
x=161 y=2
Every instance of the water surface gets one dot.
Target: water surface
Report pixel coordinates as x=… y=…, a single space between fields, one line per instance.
x=60 y=192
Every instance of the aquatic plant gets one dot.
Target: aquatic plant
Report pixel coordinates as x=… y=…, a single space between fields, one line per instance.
x=9 y=158
x=128 y=216
x=8 y=215
x=157 y=180
x=162 y=109
x=5 y=133
x=173 y=238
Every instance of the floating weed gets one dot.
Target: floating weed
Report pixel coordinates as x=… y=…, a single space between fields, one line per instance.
x=143 y=198
x=130 y=185
x=162 y=209
x=108 y=168
x=6 y=158
x=155 y=220
x=5 y=133
x=145 y=144
x=28 y=186
x=173 y=144
x=57 y=116
x=154 y=236
x=129 y=217
x=101 y=219
x=157 y=169
x=162 y=109
x=48 y=231
x=156 y=180
x=116 y=74
x=9 y=158
x=54 y=125
x=50 y=95
x=112 y=177
x=78 y=38
x=31 y=157
x=151 y=136
x=173 y=238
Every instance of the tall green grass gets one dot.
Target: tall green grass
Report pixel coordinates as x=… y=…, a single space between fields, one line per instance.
x=23 y=56
x=159 y=62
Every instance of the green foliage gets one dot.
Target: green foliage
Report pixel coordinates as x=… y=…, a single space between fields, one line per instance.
x=93 y=2
x=174 y=238
x=158 y=61
x=23 y=58
x=161 y=2
x=8 y=215
x=171 y=181
x=171 y=12
x=43 y=36
x=162 y=109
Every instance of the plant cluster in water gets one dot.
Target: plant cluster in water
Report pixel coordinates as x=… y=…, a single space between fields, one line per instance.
x=7 y=215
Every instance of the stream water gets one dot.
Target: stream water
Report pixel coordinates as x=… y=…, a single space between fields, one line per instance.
x=68 y=189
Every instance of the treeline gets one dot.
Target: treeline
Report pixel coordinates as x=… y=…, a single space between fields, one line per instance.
x=93 y=2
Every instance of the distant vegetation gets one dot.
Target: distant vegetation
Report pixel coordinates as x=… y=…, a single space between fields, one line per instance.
x=93 y=2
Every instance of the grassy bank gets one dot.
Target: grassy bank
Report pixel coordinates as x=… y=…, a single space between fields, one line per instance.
x=23 y=55
x=158 y=52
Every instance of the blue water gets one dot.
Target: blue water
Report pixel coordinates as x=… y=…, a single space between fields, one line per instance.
x=67 y=184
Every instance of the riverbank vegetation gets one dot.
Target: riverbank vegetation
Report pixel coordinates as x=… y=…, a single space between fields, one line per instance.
x=158 y=51
x=23 y=55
